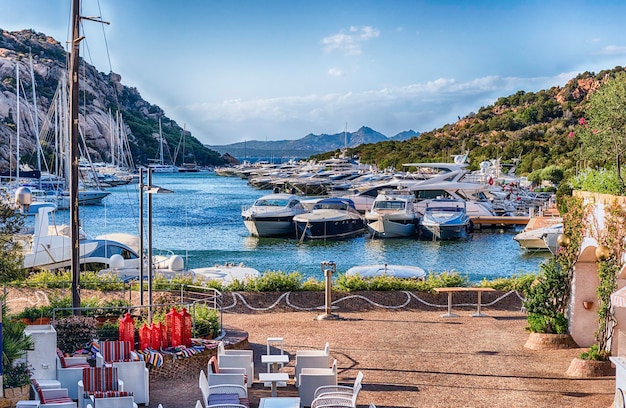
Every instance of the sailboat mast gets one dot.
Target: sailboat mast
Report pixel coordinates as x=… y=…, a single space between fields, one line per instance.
x=32 y=79
x=17 y=142
x=161 y=162
x=74 y=213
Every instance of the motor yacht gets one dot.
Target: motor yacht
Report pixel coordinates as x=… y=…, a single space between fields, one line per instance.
x=445 y=219
x=330 y=218
x=272 y=215
x=393 y=214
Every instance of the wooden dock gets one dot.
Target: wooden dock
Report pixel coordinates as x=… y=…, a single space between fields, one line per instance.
x=547 y=217
x=499 y=221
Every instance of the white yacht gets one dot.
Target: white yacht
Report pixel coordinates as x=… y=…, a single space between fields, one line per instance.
x=272 y=215
x=393 y=214
x=445 y=219
x=539 y=239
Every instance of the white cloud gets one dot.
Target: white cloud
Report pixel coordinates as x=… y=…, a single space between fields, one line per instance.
x=613 y=50
x=335 y=72
x=419 y=106
x=349 y=43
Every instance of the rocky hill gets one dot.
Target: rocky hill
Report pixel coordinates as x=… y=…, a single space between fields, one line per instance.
x=309 y=145
x=100 y=94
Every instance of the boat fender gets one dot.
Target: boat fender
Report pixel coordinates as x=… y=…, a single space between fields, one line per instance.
x=116 y=261
x=491 y=181
x=470 y=227
x=176 y=263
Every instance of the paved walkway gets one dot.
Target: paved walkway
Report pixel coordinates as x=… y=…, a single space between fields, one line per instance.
x=416 y=358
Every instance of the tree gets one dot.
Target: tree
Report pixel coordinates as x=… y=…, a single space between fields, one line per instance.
x=604 y=133
x=10 y=251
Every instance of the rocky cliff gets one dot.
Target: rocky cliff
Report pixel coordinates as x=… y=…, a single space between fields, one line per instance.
x=101 y=96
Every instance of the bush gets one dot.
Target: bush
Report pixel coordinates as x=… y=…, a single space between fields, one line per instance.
x=594 y=353
x=16 y=375
x=75 y=332
x=206 y=321
x=538 y=323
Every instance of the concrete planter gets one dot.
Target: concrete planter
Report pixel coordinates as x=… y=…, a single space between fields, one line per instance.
x=548 y=341
x=589 y=368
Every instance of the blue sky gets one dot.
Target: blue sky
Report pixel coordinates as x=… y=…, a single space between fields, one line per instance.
x=271 y=70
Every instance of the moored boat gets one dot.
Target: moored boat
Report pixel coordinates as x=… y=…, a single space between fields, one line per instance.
x=445 y=219
x=397 y=271
x=393 y=215
x=330 y=218
x=539 y=239
x=226 y=274
x=272 y=215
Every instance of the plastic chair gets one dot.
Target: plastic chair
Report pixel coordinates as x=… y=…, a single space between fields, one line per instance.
x=131 y=369
x=236 y=359
x=101 y=380
x=217 y=375
x=311 y=379
x=53 y=398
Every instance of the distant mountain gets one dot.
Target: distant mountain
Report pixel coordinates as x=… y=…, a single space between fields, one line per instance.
x=309 y=145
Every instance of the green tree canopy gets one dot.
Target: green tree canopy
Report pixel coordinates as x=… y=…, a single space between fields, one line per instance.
x=604 y=127
x=10 y=251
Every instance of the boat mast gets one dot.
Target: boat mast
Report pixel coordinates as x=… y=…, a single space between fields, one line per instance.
x=74 y=99
x=32 y=79
x=17 y=142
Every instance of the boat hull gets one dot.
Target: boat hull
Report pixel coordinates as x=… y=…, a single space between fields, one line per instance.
x=444 y=232
x=270 y=227
x=385 y=227
x=396 y=271
x=330 y=229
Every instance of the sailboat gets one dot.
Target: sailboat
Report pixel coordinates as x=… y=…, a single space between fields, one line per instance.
x=161 y=167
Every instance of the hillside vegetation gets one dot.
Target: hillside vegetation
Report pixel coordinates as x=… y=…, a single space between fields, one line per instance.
x=536 y=127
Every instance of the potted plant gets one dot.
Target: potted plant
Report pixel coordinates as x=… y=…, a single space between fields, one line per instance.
x=16 y=374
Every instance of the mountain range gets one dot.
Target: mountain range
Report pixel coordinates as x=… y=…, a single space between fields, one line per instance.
x=308 y=145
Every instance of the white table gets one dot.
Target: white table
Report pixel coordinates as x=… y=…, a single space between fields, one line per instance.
x=287 y=402
x=273 y=378
x=272 y=360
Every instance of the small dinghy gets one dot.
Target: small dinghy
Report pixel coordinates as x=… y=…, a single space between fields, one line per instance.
x=397 y=271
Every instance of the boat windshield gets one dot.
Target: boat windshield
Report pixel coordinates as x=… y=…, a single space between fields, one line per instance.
x=271 y=203
x=391 y=205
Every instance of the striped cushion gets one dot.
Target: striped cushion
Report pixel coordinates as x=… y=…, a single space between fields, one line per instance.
x=100 y=379
x=38 y=390
x=61 y=358
x=115 y=350
x=111 y=394
x=215 y=369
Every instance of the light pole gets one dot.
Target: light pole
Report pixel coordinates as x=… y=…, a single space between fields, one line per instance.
x=150 y=189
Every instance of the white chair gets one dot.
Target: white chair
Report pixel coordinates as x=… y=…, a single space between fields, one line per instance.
x=130 y=368
x=70 y=372
x=217 y=375
x=311 y=379
x=236 y=359
x=100 y=380
x=341 y=390
x=223 y=394
x=311 y=359
x=52 y=398
x=339 y=399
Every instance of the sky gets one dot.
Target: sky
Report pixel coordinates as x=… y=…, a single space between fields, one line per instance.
x=231 y=70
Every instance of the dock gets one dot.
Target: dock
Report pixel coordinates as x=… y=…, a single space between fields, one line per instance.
x=546 y=217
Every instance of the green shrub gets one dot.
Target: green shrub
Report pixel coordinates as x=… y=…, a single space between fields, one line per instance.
x=16 y=375
x=206 y=321
x=538 y=323
x=520 y=283
x=275 y=282
x=75 y=332
x=594 y=353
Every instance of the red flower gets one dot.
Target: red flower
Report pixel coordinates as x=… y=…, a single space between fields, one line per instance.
x=581 y=121
x=571 y=134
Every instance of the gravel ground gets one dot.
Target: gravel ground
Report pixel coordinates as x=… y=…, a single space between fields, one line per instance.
x=416 y=358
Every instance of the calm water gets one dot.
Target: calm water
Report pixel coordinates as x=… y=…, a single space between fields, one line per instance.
x=201 y=221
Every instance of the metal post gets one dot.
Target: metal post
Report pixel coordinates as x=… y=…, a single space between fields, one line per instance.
x=141 y=243
x=74 y=99
x=150 y=248
x=328 y=267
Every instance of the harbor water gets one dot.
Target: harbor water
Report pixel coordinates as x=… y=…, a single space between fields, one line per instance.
x=201 y=221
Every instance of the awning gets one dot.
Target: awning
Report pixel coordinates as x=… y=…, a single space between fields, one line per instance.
x=618 y=298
